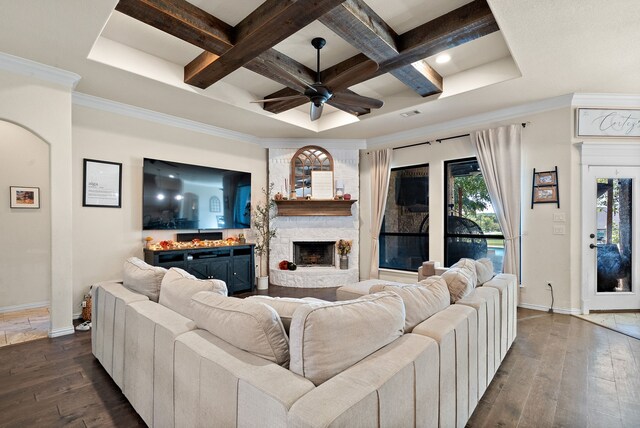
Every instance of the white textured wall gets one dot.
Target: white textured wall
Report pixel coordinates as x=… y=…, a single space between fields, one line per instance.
x=26 y=233
x=104 y=237
x=317 y=228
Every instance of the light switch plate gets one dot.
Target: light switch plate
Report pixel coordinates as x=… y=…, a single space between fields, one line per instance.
x=558 y=229
x=559 y=217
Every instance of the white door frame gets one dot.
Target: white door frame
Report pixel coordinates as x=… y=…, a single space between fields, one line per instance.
x=598 y=154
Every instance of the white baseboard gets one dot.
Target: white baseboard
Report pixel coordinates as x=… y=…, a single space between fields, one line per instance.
x=61 y=331
x=15 y=308
x=567 y=311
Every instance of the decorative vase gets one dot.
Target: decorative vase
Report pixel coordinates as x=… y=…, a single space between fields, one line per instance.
x=263 y=283
x=344 y=262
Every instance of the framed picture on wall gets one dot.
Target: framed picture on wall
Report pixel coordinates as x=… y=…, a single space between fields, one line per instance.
x=545 y=187
x=24 y=197
x=545 y=194
x=102 y=184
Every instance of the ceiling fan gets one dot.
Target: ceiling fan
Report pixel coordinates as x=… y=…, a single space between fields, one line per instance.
x=319 y=93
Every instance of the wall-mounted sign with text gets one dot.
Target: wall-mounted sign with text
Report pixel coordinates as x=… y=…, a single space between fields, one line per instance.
x=593 y=122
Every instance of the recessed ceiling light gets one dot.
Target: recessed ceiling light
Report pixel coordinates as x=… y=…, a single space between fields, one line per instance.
x=443 y=58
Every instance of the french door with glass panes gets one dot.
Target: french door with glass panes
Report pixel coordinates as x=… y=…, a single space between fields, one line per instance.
x=610 y=248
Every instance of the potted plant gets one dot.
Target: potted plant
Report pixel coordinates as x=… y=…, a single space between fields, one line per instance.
x=344 y=248
x=262 y=216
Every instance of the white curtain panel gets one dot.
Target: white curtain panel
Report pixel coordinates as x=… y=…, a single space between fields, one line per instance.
x=380 y=161
x=498 y=153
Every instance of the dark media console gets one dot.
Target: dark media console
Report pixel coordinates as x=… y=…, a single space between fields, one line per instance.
x=233 y=264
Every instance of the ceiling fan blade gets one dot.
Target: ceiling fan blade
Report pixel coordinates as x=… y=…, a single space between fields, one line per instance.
x=354 y=110
x=268 y=100
x=316 y=112
x=356 y=100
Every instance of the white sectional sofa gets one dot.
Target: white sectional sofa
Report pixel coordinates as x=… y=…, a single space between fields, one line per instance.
x=397 y=355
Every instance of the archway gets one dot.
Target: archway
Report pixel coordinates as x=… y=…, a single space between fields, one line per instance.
x=25 y=283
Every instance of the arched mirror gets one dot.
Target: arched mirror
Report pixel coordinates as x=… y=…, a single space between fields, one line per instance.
x=307 y=159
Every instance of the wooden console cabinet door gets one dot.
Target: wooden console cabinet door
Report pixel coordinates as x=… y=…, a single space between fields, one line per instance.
x=242 y=275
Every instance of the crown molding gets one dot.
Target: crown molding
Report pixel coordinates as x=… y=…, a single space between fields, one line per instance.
x=110 y=106
x=472 y=122
x=606 y=100
x=334 y=144
x=26 y=67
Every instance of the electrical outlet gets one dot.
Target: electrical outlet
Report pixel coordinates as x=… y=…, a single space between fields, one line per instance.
x=84 y=303
x=559 y=229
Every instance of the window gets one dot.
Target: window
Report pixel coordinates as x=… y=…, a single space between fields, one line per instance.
x=472 y=228
x=404 y=237
x=214 y=204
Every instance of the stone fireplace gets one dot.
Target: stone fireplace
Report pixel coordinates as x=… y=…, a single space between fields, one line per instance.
x=319 y=269
x=314 y=253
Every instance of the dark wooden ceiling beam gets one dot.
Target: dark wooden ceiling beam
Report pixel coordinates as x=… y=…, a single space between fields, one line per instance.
x=359 y=25
x=459 y=26
x=467 y=23
x=183 y=20
x=268 y=25
x=195 y=26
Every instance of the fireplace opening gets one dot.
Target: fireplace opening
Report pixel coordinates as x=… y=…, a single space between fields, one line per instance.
x=316 y=253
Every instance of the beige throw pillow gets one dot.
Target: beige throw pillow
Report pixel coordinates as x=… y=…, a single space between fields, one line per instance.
x=420 y=302
x=143 y=278
x=248 y=325
x=484 y=270
x=327 y=338
x=178 y=286
x=461 y=279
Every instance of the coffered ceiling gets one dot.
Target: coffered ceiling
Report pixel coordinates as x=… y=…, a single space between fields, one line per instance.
x=504 y=53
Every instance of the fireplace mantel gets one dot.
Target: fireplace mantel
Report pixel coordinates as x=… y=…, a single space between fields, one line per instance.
x=314 y=207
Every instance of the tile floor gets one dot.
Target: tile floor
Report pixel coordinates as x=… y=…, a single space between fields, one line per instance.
x=22 y=326
x=624 y=322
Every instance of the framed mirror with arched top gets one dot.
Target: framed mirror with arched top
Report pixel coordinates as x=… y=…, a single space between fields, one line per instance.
x=304 y=162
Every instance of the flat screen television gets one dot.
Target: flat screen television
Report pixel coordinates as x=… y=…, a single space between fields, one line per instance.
x=182 y=196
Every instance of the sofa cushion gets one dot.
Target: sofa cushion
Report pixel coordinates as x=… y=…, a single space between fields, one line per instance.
x=284 y=306
x=248 y=325
x=178 y=286
x=420 y=301
x=327 y=338
x=484 y=270
x=143 y=278
x=460 y=278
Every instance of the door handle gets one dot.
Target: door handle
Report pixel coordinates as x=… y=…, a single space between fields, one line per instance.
x=592 y=236
x=592 y=246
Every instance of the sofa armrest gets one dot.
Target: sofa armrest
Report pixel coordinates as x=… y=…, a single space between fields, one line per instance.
x=212 y=377
x=395 y=386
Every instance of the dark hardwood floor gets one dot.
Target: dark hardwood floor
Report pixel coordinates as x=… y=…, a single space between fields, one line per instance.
x=561 y=371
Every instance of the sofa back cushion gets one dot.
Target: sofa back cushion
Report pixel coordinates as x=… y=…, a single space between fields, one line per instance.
x=178 y=286
x=284 y=306
x=420 y=301
x=247 y=325
x=143 y=278
x=484 y=270
x=461 y=279
x=327 y=338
